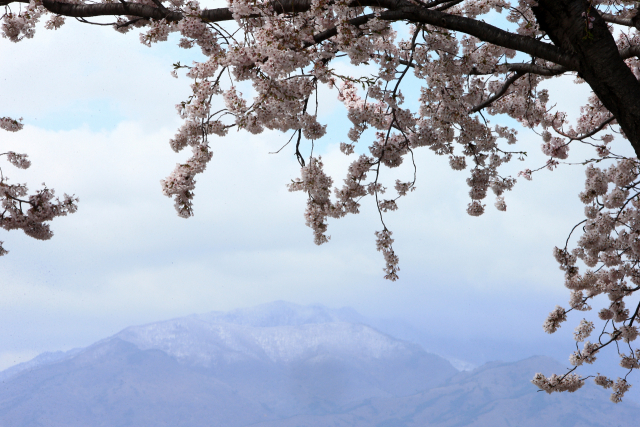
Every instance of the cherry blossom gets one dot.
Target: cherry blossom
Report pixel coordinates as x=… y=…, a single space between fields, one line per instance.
x=470 y=73
x=21 y=211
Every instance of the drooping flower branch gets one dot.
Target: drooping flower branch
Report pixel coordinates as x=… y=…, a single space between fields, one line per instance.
x=21 y=211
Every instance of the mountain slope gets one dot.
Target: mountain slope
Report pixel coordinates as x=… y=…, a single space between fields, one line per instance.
x=116 y=384
x=495 y=395
x=204 y=370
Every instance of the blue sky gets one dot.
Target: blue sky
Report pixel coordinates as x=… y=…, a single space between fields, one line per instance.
x=98 y=109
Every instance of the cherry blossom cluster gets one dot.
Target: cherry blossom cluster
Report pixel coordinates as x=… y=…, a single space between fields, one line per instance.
x=384 y=244
x=10 y=124
x=317 y=185
x=555 y=383
x=21 y=25
x=609 y=249
x=21 y=211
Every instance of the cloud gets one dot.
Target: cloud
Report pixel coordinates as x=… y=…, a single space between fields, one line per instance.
x=80 y=75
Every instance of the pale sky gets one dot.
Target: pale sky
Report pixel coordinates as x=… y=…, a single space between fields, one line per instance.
x=98 y=110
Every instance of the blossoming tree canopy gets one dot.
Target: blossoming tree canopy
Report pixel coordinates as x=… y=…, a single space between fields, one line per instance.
x=468 y=71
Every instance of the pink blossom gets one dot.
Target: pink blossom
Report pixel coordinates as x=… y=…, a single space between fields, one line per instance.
x=620 y=387
x=554 y=319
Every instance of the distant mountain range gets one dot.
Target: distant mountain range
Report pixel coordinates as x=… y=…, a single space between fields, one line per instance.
x=283 y=365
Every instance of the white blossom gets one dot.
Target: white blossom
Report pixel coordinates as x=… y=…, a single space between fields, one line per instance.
x=554 y=319
x=583 y=330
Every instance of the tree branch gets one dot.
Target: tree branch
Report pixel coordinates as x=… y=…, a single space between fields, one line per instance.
x=599 y=61
x=525 y=68
x=401 y=10
x=627 y=22
x=112 y=9
x=327 y=34
x=507 y=83
x=588 y=134
x=410 y=12
x=161 y=7
x=448 y=5
x=398 y=10
x=629 y=52
x=481 y=30
x=434 y=3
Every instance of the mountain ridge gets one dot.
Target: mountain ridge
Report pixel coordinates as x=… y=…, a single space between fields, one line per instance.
x=283 y=365
x=272 y=314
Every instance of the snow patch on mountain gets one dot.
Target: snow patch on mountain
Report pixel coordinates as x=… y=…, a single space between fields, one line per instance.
x=201 y=342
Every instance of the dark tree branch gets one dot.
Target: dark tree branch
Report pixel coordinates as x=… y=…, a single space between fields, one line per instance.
x=110 y=9
x=483 y=31
x=448 y=5
x=525 y=68
x=161 y=7
x=434 y=3
x=576 y=47
x=84 y=21
x=126 y=24
x=627 y=22
x=507 y=83
x=331 y=32
x=599 y=62
x=588 y=134
x=635 y=314
x=398 y=10
x=629 y=52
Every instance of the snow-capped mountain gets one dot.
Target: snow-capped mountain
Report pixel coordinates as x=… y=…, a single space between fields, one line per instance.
x=283 y=365
x=278 y=359
x=279 y=333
